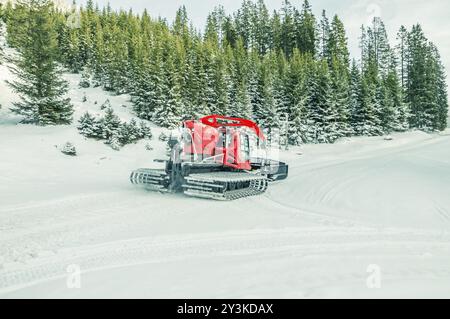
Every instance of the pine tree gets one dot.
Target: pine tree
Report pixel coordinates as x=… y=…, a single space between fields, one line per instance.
x=441 y=92
x=306 y=33
x=301 y=129
x=145 y=131
x=322 y=112
x=379 y=50
x=128 y=133
x=245 y=26
x=368 y=116
x=16 y=22
x=94 y=53
x=396 y=113
x=242 y=107
x=70 y=44
x=2 y=33
x=288 y=29
x=375 y=113
x=134 y=131
x=168 y=113
x=267 y=112
x=88 y=126
x=110 y=124
x=85 y=79
x=114 y=141
x=254 y=81
x=324 y=37
x=262 y=28
x=276 y=41
x=40 y=84
x=424 y=89
x=149 y=87
x=355 y=99
x=340 y=99
x=402 y=53
x=337 y=44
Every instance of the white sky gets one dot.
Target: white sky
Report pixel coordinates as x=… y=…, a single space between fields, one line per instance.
x=431 y=14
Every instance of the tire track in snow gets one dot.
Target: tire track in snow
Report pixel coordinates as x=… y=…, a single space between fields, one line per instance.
x=49 y=229
x=315 y=216
x=331 y=189
x=366 y=154
x=325 y=243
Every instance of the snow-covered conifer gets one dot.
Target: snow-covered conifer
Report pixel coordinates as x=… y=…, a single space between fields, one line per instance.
x=85 y=79
x=39 y=78
x=110 y=124
x=88 y=126
x=114 y=142
x=145 y=131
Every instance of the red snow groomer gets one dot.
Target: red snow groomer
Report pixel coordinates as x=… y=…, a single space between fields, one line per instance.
x=216 y=157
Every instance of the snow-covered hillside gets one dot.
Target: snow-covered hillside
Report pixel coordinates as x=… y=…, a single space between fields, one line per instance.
x=345 y=208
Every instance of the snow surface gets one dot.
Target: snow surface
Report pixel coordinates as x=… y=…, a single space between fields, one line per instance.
x=360 y=202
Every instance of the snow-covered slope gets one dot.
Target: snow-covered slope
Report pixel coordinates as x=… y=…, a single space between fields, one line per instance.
x=345 y=207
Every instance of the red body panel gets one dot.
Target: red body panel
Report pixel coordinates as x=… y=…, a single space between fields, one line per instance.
x=220 y=137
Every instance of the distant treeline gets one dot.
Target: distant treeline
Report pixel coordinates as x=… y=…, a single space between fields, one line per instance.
x=255 y=64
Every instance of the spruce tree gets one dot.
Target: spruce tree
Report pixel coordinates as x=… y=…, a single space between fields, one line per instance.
x=2 y=33
x=368 y=114
x=168 y=112
x=262 y=28
x=39 y=79
x=110 y=124
x=288 y=29
x=242 y=106
x=267 y=112
x=324 y=37
x=337 y=44
x=355 y=99
x=402 y=54
x=145 y=131
x=340 y=99
x=70 y=44
x=306 y=30
x=88 y=126
x=425 y=91
x=322 y=112
x=441 y=92
x=396 y=113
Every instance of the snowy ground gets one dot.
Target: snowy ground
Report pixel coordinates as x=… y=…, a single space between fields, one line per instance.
x=346 y=208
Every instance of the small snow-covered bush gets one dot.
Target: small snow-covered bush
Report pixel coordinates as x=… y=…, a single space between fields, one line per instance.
x=69 y=149
x=85 y=80
x=106 y=105
x=89 y=126
x=111 y=129
x=114 y=142
x=145 y=131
